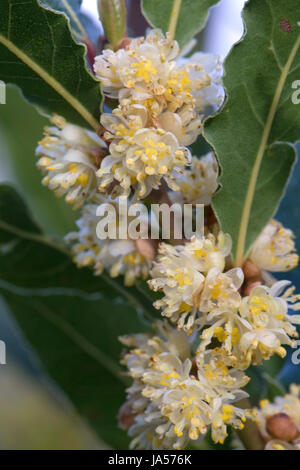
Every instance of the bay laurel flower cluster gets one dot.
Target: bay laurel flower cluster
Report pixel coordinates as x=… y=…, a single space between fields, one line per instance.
x=188 y=374
x=180 y=273
x=176 y=396
x=188 y=378
x=198 y=183
x=161 y=106
x=139 y=156
x=162 y=100
x=69 y=156
x=200 y=294
x=117 y=256
x=274 y=250
x=279 y=422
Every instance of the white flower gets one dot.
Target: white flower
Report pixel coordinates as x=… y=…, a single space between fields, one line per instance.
x=220 y=371
x=180 y=273
x=145 y=71
x=271 y=326
x=139 y=69
x=144 y=430
x=147 y=347
x=223 y=415
x=227 y=327
x=220 y=291
x=119 y=257
x=210 y=251
x=188 y=410
x=254 y=327
x=139 y=157
x=175 y=397
x=152 y=363
x=198 y=183
x=70 y=157
x=185 y=124
x=205 y=399
x=181 y=284
x=205 y=72
x=173 y=93
x=220 y=301
x=274 y=250
x=193 y=86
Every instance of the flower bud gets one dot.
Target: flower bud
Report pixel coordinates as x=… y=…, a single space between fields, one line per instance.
x=126 y=416
x=281 y=426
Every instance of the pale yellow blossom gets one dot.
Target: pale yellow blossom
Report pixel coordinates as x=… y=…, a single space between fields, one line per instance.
x=69 y=157
x=274 y=250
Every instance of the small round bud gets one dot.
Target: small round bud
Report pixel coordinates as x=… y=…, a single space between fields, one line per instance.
x=126 y=416
x=124 y=43
x=252 y=277
x=249 y=286
x=281 y=426
x=147 y=248
x=251 y=270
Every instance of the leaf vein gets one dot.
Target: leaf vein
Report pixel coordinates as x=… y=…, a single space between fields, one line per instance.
x=254 y=112
x=259 y=156
x=52 y=82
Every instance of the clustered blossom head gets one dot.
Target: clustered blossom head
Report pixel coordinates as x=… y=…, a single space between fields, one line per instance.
x=274 y=250
x=159 y=112
x=279 y=422
x=266 y=310
x=162 y=100
x=198 y=183
x=69 y=156
x=199 y=294
x=145 y=72
x=117 y=256
x=139 y=156
x=176 y=397
x=180 y=273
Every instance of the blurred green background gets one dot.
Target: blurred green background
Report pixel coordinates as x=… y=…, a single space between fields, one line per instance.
x=34 y=413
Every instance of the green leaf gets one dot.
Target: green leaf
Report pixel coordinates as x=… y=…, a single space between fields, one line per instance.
x=72 y=9
x=21 y=131
x=252 y=132
x=14 y=213
x=183 y=19
x=82 y=25
x=71 y=318
x=39 y=54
